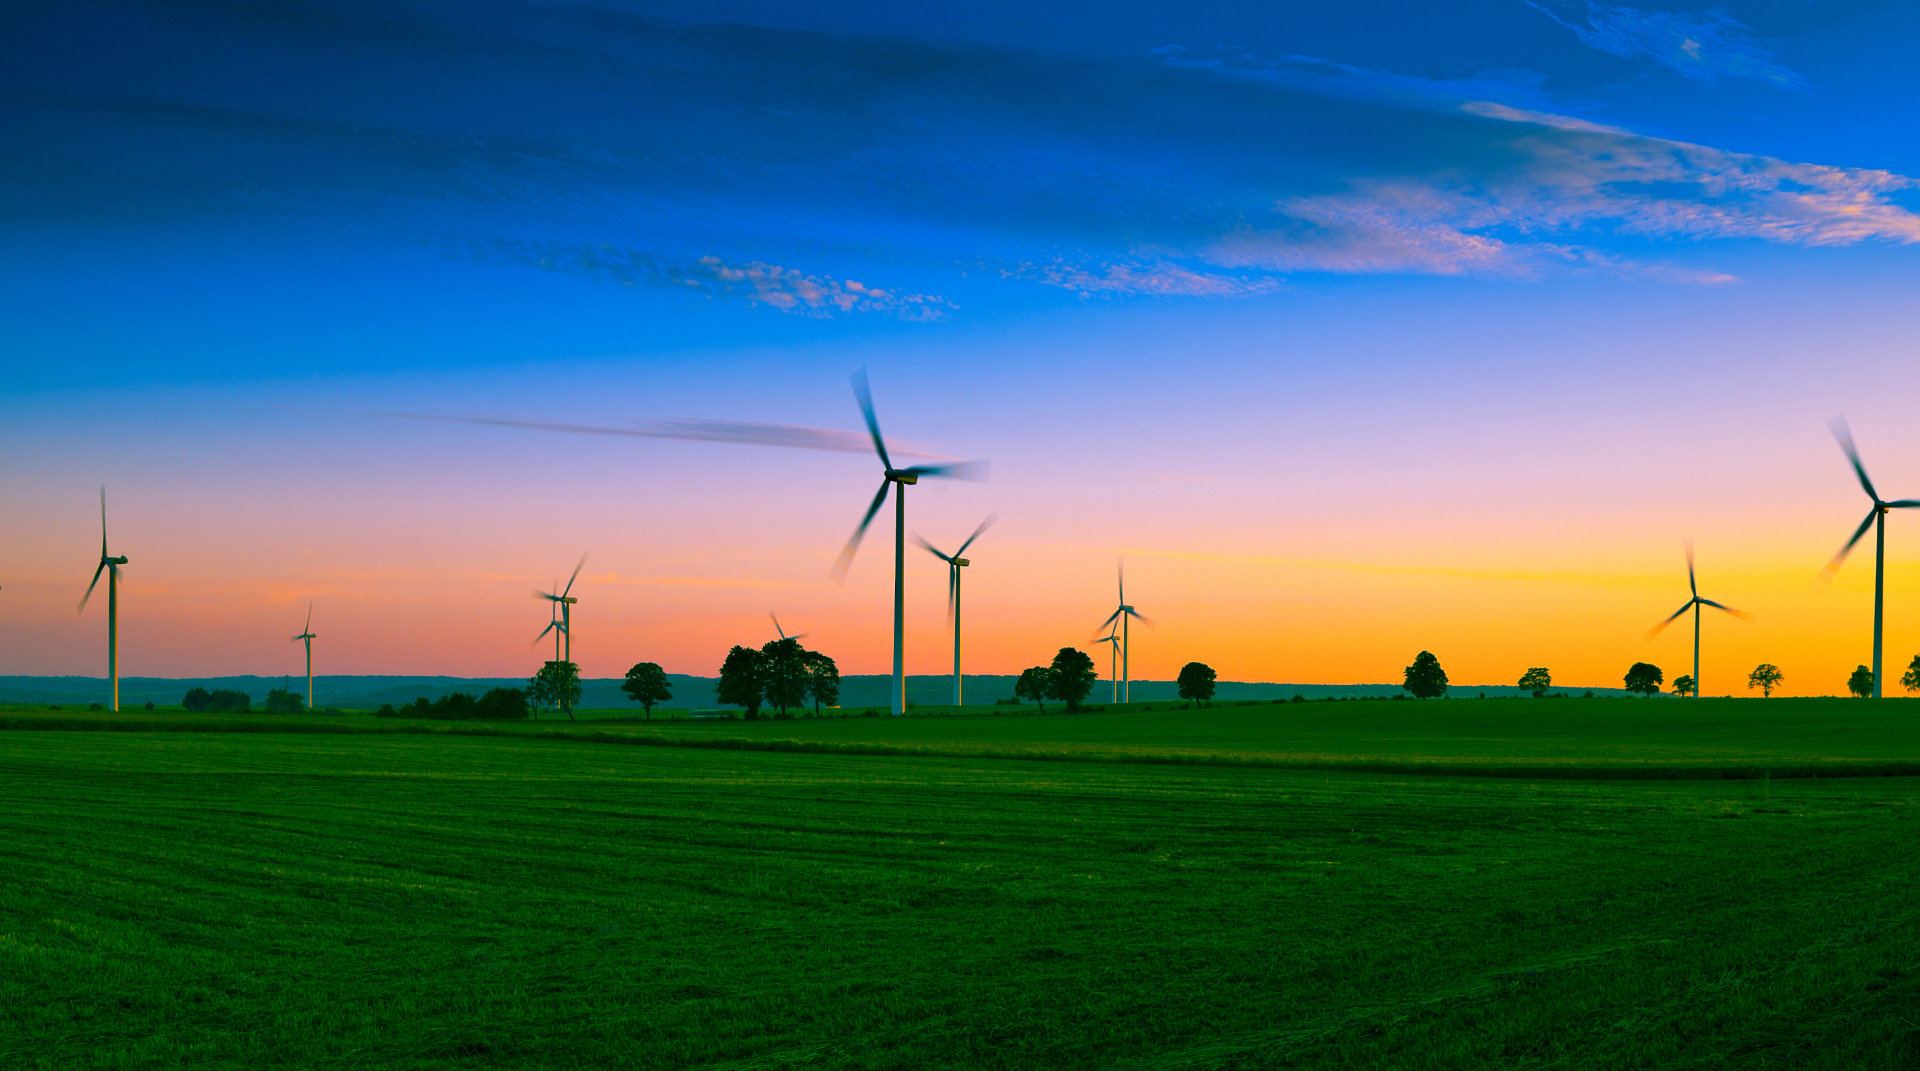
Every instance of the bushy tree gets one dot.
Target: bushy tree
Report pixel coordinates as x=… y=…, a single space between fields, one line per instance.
x=646 y=684
x=557 y=684
x=823 y=680
x=1196 y=683
x=1645 y=678
x=1425 y=679
x=1071 y=677
x=283 y=701
x=220 y=700
x=742 y=680
x=1536 y=680
x=1766 y=676
x=1684 y=685
x=1910 y=680
x=784 y=674
x=501 y=704
x=1860 y=683
x=1035 y=683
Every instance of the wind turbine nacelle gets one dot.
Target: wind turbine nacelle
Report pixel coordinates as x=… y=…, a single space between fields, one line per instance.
x=961 y=561
x=569 y=599
x=904 y=477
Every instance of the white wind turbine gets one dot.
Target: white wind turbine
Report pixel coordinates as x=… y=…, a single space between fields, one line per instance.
x=111 y=566
x=1695 y=604
x=307 y=635
x=896 y=480
x=1877 y=519
x=563 y=600
x=955 y=563
x=1122 y=616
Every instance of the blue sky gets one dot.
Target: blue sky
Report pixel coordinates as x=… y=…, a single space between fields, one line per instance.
x=1443 y=253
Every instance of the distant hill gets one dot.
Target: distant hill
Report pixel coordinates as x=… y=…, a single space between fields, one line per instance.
x=696 y=693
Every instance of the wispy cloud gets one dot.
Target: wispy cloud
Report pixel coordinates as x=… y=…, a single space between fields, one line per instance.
x=691 y=429
x=1704 y=46
x=1329 y=78
x=1156 y=278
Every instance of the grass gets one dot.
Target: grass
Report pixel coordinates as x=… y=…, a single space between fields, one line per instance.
x=436 y=900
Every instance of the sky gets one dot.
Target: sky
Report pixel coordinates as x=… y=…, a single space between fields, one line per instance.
x=1357 y=330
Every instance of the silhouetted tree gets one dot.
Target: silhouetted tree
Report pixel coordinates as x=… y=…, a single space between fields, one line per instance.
x=1536 y=680
x=1071 y=677
x=558 y=684
x=1683 y=685
x=1911 y=679
x=784 y=673
x=1860 y=683
x=646 y=684
x=283 y=701
x=1645 y=678
x=742 y=680
x=501 y=704
x=823 y=680
x=1035 y=683
x=1766 y=676
x=1425 y=679
x=1196 y=682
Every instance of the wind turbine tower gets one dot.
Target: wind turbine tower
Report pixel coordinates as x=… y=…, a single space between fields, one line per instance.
x=1122 y=616
x=307 y=635
x=111 y=566
x=955 y=563
x=1695 y=604
x=1877 y=520
x=564 y=600
x=1112 y=640
x=896 y=480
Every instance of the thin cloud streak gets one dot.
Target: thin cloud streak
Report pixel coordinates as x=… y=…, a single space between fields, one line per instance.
x=688 y=429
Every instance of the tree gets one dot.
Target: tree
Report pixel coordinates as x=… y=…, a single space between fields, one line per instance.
x=646 y=684
x=743 y=680
x=1196 y=682
x=557 y=684
x=1425 y=678
x=1035 y=683
x=1683 y=685
x=1861 y=682
x=1911 y=679
x=1536 y=680
x=784 y=673
x=823 y=680
x=283 y=701
x=1645 y=678
x=1766 y=676
x=1071 y=677
x=501 y=704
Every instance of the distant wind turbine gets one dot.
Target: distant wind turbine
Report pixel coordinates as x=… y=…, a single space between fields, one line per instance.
x=896 y=480
x=1122 y=616
x=1877 y=519
x=783 y=632
x=306 y=634
x=955 y=563
x=561 y=598
x=111 y=566
x=1695 y=604
x=1112 y=640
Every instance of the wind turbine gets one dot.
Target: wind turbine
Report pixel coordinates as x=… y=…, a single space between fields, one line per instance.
x=307 y=635
x=783 y=632
x=555 y=626
x=1877 y=518
x=1123 y=615
x=565 y=602
x=1112 y=639
x=1695 y=604
x=111 y=566
x=897 y=480
x=955 y=563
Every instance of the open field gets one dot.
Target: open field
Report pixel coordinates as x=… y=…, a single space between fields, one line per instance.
x=224 y=899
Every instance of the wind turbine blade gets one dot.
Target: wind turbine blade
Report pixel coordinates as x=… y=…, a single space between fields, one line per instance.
x=1662 y=626
x=538 y=594
x=551 y=625
x=575 y=576
x=1845 y=435
x=953 y=588
x=933 y=550
x=295 y=639
x=103 y=521
x=1121 y=572
x=853 y=543
x=308 y=627
x=1741 y=614
x=984 y=525
x=1691 y=586
x=90 y=587
x=1904 y=503
x=1115 y=616
x=1834 y=565
x=865 y=398
x=1138 y=616
x=776 y=624
x=959 y=470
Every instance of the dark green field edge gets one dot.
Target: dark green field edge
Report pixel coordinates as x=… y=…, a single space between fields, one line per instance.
x=1728 y=771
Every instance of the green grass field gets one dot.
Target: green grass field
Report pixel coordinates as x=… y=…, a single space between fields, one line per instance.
x=544 y=896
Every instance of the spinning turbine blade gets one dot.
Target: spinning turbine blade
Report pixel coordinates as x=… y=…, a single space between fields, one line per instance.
x=103 y=520
x=1691 y=586
x=960 y=470
x=308 y=627
x=1903 y=503
x=1662 y=626
x=776 y=624
x=984 y=525
x=865 y=398
x=953 y=588
x=1845 y=436
x=1115 y=616
x=575 y=576
x=1834 y=565
x=551 y=625
x=90 y=587
x=1741 y=614
x=853 y=543
x=1138 y=616
x=935 y=551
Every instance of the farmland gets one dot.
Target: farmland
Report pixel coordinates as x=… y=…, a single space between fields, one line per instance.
x=1183 y=898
